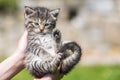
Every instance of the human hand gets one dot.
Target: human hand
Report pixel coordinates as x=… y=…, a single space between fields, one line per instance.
x=22 y=44
x=46 y=77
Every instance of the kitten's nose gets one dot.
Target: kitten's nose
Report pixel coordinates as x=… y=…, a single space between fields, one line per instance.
x=41 y=28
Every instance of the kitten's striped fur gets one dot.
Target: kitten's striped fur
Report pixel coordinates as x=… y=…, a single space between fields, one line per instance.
x=46 y=52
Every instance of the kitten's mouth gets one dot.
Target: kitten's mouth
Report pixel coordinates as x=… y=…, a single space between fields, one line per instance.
x=41 y=32
x=41 y=29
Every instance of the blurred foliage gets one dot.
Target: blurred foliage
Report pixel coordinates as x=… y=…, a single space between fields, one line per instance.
x=8 y=6
x=94 y=73
x=111 y=72
x=23 y=75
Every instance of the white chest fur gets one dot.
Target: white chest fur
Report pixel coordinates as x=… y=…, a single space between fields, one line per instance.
x=47 y=43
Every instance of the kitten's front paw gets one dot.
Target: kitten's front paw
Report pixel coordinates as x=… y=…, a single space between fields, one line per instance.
x=57 y=35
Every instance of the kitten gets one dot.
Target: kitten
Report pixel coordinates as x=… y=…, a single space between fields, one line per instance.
x=46 y=52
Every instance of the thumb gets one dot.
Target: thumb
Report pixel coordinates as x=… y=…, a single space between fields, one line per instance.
x=22 y=44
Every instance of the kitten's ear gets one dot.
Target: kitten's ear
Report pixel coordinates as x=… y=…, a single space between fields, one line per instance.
x=55 y=12
x=28 y=11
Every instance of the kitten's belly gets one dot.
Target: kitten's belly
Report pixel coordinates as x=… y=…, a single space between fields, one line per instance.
x=51 y=51
x=48 y=43
x=50 y=47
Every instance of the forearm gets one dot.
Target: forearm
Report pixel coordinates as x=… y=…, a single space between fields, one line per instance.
x=11 y=66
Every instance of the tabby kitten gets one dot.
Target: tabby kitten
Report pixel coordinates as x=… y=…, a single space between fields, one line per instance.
x=46 y=53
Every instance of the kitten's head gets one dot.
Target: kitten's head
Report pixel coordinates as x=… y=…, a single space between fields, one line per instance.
x=40 y=19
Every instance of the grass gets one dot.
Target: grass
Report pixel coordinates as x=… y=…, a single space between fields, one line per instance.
x=84 y=73
x=23 y=75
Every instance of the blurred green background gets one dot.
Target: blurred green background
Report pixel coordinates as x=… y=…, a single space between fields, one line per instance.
x=94 y=24
x=83 y=73
x=8 y=6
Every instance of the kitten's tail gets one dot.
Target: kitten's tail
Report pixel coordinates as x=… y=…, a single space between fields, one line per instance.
x=70 y=61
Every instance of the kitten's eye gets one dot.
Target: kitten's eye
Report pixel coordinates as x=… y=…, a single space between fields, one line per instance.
x=46 y=24
x=36 y=23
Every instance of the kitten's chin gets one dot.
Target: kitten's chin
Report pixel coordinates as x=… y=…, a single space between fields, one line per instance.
x=42 y=33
